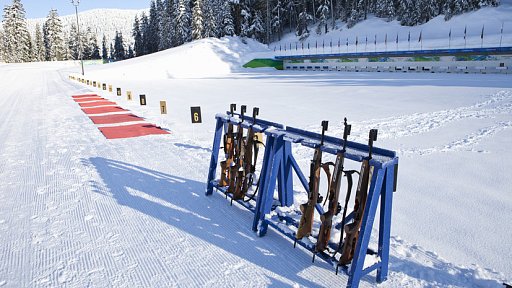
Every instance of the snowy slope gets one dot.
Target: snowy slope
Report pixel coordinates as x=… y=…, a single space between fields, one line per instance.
x=434 y=33
x=101 y=21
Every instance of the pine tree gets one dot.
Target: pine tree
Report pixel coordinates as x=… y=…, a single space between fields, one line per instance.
x=119 y=51
x=385 y=9
x=246 y=21
x=39 y=51
x=167 y=24
x=153 y=32
x=302 y=27
x=104 y=51
x=53 y=37
x=86 y=48
x=137 y=38
x=323 y=12
x=426 y=10
x=256 y=30
x=407 y=13
x=197 y=20
x=228 y=28
x=145 y=32
x=16 y=38
x=278 y=19
x=130 y=54
x=183 y=33
x=1 y=46
x=111 y=52
x=95 y=49
x=73 y=43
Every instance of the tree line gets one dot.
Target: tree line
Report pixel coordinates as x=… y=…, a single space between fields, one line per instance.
x=170 y=23
x=50 y=42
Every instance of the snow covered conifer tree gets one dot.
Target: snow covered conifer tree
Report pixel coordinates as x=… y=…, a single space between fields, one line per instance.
x=406 y=13
x=425 y=10
x=111 y=52
x=73 y=43
x=302 y=26
x=385 y=9
x=53 y=37
x=144 y=30
x=86 y=48
x=104 y=51
x=167 y=24
x=323 y=12
x=16 y=38
x=153 y=33
x=119 y=51
x=137 y=38
x=95 y=49
x=38 y=44
x=256 y=30
x=1 y=45
x=197 y=20
x=228 y=28
x=278 y=19
x=212 y=10
x=183 y=33
x=246 y=21
x=130 y=52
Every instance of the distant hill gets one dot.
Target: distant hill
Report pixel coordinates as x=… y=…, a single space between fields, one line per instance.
x=101 y=21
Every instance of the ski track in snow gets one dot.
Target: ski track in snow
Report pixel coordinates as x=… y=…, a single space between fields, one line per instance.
x=422 y=123
x=80 y=210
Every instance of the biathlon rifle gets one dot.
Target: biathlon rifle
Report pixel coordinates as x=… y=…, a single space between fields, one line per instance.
x=229 y=151
x=237 y=169
x=250 y=146
x=352 y=230
x=308 y=209
x=324 y=234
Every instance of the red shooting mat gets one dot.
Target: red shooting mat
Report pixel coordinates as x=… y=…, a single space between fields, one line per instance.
x=97 y=103
x=102 y=110
x=84 y=95
x=115 y=118
x=88 y=99
x=130 y=131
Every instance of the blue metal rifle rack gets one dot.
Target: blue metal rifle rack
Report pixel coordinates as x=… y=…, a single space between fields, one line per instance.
x=277 y=169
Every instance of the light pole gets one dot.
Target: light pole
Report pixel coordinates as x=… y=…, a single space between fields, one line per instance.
x=75 y=3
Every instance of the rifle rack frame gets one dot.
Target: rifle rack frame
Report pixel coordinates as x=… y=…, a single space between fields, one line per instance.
x=278 y=167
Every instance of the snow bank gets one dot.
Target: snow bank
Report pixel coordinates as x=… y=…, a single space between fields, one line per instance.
x=199 y=59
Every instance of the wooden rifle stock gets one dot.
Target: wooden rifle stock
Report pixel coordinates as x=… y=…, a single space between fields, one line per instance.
x=324 y=235
x=239 y=158
x=352 y=229
x=308 y=209
x=248 y=165
x=235 y=165
x=228 y=151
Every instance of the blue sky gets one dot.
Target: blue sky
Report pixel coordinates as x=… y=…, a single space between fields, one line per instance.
x=40 y=8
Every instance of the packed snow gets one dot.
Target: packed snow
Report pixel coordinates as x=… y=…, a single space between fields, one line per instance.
x=77 y=209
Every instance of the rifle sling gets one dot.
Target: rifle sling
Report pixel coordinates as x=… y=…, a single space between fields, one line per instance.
x=327 y=171
x=350 y=182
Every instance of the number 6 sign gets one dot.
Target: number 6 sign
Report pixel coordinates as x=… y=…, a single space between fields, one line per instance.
x=195 y=113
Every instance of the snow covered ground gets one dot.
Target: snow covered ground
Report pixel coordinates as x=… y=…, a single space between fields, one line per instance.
x=79 y=210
